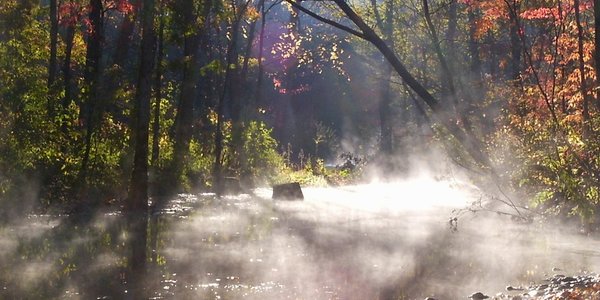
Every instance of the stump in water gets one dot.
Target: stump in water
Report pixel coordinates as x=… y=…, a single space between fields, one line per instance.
x=288 y=191
x=231 y=186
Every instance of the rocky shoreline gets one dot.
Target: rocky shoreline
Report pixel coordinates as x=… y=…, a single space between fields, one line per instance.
x=581 y=287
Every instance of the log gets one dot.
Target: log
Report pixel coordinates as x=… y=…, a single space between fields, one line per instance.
x=288 y=191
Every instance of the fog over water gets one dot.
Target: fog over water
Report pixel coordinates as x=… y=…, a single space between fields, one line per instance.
x=381 y=240
x=374 y=241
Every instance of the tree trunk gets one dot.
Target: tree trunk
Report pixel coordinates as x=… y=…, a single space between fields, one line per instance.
x=237 y=83
x=52 y=61
x=137 y=204
x=447 y=76
x=158 y=91
x=94 y=42
x=52 y=64
x=583 y=85
x=67 y=72
x=387 y=28
x=261 y=45
x=515 y=44
x=475 y=60
x=248 y=52
x=125 y=37
x=452 y=29
x=227 y=87
x=139 y=178
x=184 y=117
x=92 y=77
x=597 y=49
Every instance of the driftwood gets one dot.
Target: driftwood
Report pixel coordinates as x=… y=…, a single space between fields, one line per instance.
x=288 y=191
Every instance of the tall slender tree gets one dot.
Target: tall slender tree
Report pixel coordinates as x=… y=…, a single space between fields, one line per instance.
x=184 y=115
x=52 y=62
x=583 y=81
x=92 y=76
x=137 y=203
x=138 y=196
x=597 y=50
x=158 y=88
x=386 y=25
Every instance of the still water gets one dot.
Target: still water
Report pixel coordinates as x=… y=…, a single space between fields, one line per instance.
x=376 y=241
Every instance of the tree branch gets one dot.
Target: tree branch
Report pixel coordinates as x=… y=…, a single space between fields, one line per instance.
x=325 y=20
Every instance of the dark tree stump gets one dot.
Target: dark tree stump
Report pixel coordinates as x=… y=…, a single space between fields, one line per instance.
x=231 y=186
x=288 y=191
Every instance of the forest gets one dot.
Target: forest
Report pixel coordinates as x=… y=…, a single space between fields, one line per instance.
x=109 y=100
x=129 y=103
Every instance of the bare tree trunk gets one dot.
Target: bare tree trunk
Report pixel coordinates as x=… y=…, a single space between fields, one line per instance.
x=117 y=75
x=247 y=54
x=447 y=76
x=261 y=42
x=515 y=43
x=139 y=179
x=230 y=74
x=92 y=78
x=387 y=27
x=67 y=72
x=137 y=204
x=158 y=91
x=52 y=63
x=184 y=117
x=125 y=36
x=447 y=51
x=138 y=196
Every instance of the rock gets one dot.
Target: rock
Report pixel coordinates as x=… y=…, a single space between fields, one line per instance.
x=430 y=298
x=479 y=296
x=288 y=191
x=512 y=288
x=560 y=287
x=564 y=294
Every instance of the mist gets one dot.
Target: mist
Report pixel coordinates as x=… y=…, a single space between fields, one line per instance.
x=375 y=241
x=381 y=240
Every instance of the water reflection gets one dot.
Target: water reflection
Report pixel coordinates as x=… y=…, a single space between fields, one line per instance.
x=377 y=241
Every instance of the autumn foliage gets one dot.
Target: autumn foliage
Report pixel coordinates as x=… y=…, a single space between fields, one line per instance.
x=550 y=111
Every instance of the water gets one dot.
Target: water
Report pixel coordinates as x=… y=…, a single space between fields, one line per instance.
x=386 y=241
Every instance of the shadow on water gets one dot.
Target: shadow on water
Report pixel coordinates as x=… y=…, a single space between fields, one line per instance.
x=369 y=242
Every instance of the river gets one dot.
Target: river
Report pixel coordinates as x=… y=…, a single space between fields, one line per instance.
x=375 y=241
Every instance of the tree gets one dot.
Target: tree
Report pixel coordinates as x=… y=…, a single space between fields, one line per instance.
x=52 y=61
x=597 y=49
x=387 y=27
x=92 y=77
x=158 y=88
x=183 y=121
x=582 y=81
x=137 y=203
x=470 y=143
